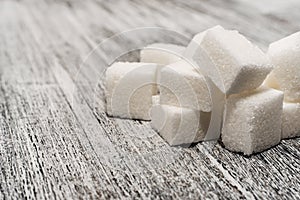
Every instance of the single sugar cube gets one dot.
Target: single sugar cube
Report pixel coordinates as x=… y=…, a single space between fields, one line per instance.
x=129 y=89
x=241 y=65
x=161 y=53
x=179 y=126
x=290 y=120
x=284 y=55
x=181 y=85
x=252 y=121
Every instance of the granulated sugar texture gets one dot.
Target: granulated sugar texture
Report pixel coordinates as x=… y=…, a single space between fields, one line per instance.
x=261 y=91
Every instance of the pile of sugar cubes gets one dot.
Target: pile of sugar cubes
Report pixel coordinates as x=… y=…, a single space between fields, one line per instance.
x=262 y=91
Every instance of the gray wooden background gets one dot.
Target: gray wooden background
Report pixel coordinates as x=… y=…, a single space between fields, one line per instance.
x=56 y=141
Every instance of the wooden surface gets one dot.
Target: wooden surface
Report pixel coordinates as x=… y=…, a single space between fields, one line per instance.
x=56 y=141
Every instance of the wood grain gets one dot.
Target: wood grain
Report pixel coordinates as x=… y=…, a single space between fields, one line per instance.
x=56 y=141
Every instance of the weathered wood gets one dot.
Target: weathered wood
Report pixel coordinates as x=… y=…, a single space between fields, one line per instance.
x=56 y=141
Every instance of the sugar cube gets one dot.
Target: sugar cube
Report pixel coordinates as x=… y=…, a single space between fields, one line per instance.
x=290 y=120
x=179 y=126
x=161 y=53
x=241 y=65
x=181 y=85
x=284 y=55
x=252 y=121
x=129 y=89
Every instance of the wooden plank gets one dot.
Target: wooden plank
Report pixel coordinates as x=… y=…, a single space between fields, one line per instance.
x=55 y=138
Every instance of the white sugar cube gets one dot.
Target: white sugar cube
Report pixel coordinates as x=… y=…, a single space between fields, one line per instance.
x=290 y=120
x=284 y=55
x=179 y=126
x=252 y=121
x=181 y=85
x=129 y=89
x=161 y=53
x=241 y=65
